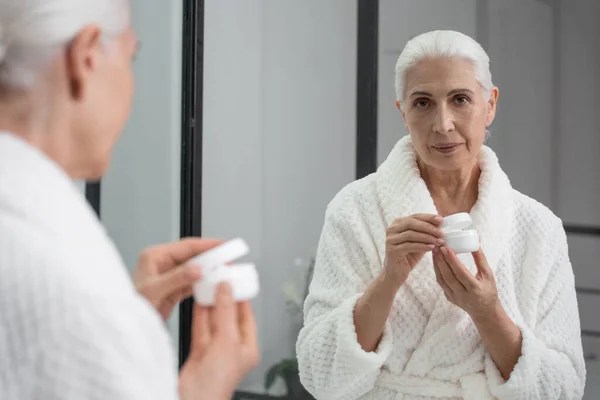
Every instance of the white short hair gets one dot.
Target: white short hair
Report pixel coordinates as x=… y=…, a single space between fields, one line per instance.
x=437 y=44
x=32 y=31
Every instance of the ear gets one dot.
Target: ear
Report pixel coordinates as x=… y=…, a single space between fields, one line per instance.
x=402 y=112
x=82 y=58
x=492 y=103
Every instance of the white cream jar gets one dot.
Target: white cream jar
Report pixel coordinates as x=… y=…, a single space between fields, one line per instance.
x=460 y=237
x=242 y=277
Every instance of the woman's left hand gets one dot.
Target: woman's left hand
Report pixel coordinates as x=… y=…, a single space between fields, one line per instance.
x=476 y=294
x=162 y=275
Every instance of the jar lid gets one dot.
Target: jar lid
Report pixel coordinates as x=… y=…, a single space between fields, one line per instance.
x=456 y=222
x=223 y=254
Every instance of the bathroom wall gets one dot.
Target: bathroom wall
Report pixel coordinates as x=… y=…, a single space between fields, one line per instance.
x=279 y=139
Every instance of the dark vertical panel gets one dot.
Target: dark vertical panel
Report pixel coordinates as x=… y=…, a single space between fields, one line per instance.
x=482 y=23
x=191 y=145
x=557 y=98
x=92 y=194
x=583 y=230
x=366 y=84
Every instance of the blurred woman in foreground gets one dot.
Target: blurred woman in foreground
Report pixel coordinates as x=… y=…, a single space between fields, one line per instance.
x=72 y=323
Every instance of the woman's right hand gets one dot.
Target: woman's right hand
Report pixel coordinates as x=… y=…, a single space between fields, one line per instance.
x=223 y=349
x=407 y=241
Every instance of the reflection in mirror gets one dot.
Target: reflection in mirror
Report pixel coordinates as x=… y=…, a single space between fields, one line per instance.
x=394 y=309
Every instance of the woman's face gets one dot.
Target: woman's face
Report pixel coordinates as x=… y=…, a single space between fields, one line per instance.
x=446 y=112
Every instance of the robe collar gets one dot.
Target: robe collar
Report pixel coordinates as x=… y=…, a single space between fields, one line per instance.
x=403 y=192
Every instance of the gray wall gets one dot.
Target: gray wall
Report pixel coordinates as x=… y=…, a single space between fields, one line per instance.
x=578 y=186
x=279 y=138
x=140 y=193
x=520 y=46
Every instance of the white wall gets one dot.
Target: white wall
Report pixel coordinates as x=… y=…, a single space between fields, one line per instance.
x=140 y=193
x=279 y=137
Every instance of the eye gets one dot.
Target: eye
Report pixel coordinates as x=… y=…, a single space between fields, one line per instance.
x=421 y=103
x=461 y=100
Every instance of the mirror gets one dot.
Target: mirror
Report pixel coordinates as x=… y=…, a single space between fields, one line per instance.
x=298 y=101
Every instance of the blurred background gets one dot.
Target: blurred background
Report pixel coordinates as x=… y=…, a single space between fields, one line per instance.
x=296 y=99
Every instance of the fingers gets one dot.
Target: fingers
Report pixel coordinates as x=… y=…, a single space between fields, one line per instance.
x=446 y=272
x=483 y=268
x=174 y=299
x=439 y=278
x=201 y=335
x=411 y=247
x=223 y=316
x=415 y=237
x=414 y=223
x=248 y=336
x=177 y=253
x=184 y=294
x=247 y=324
x=431 y=218
x=175 y=282
x=461 y=273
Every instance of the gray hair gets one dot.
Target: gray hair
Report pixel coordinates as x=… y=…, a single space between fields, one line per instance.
x=32 y=31
x=436 y=44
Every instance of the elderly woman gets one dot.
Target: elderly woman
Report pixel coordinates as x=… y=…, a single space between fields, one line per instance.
x=392 y=312
x=73 y=325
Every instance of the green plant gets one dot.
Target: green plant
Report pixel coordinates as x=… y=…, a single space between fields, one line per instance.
x=282 y=369
x=287 y=369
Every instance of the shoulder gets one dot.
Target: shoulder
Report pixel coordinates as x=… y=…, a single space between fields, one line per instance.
x=38 y=262
x=75 y=319
x=535 y=217
x=353 y=199
x=538 y=234
x=51 y=287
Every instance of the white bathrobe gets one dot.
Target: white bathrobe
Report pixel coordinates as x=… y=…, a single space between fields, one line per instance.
x=71 y=323
x=430 y=348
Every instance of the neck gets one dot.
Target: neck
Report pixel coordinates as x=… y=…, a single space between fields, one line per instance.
x=452 y=191
x=32 y=117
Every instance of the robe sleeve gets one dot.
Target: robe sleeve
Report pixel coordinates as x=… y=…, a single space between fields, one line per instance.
x=551 y=366
x=332 y=363
x=96 y=351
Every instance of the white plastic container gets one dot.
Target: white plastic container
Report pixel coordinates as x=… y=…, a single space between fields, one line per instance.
x=460 y=236
x=242 y=277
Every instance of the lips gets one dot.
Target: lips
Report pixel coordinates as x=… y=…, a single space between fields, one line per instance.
x=446 y=146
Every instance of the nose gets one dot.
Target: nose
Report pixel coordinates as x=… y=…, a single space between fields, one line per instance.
x=443 y=121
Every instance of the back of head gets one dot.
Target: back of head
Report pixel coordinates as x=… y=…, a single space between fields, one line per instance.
x=32 y=31
x=442 y=43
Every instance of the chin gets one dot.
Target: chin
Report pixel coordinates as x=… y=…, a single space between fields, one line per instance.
x=448 y=163
x=458 y=159
x=95 y=169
